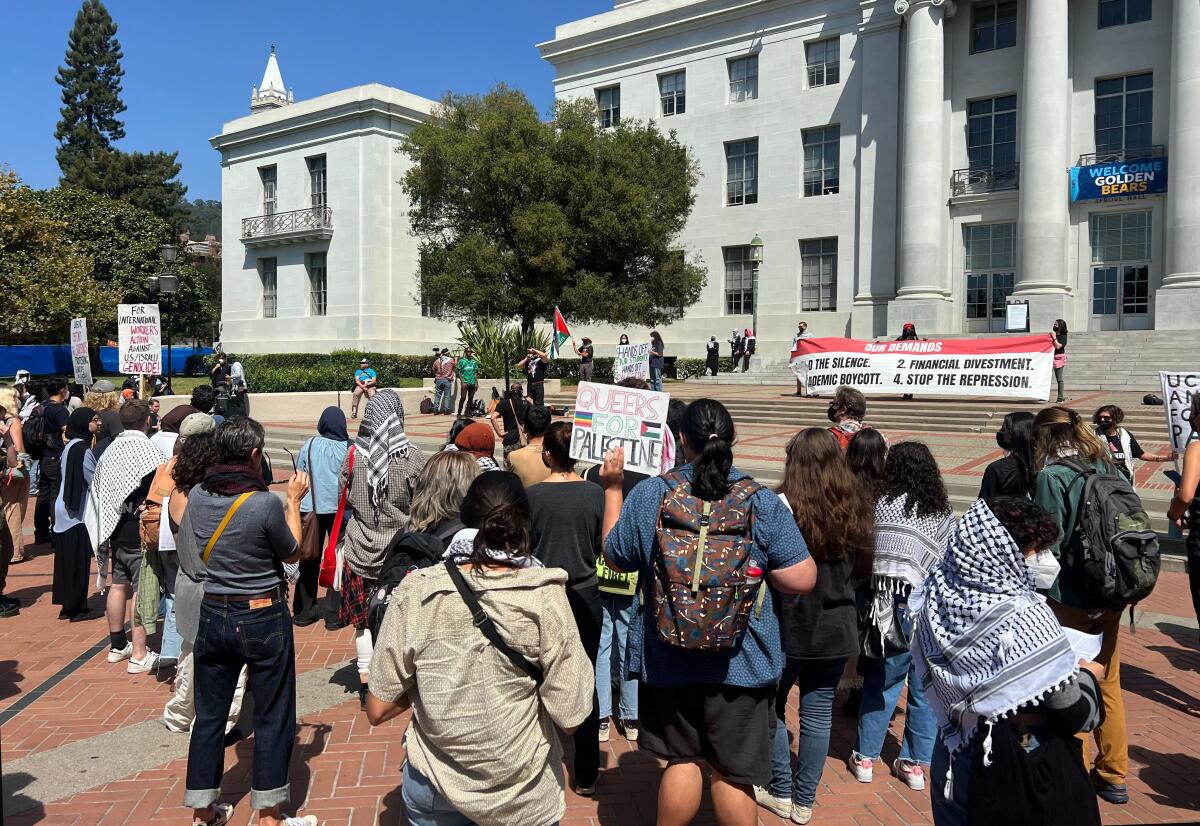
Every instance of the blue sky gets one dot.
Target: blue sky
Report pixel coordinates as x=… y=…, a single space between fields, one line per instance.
x=189 y=67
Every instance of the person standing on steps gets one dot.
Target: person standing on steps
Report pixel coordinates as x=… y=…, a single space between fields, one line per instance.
x=712 y=363
x=1121 y=443
x=366 y=383
x=751 y=347
x=801 y=333
x=534 y=366
x=1059 y=333
x=657 y=351
x=443 y=383
x=467 y=370
x=586 y=353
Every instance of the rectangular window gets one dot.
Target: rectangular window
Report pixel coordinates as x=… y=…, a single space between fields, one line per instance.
x=268 y=272
x=993 y=25
x=990 y=253
x=1124 y=116
x=1120 y=236
x=316 y=182
x=672 y=92
x=1122 y=12
x=317 y=283
x=267 y=175
x=739 y=280
x=818 y=275
x=823 y=66
x=609 y=101
x=992 y=135
x=743 y=79
x=741 y=172
x=821 y=160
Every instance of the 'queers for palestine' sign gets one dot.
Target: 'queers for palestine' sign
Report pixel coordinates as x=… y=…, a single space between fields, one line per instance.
x=139 y=339
x=1019 y=367
x=1100 y=181
x=608 y=416
x=1177 y=391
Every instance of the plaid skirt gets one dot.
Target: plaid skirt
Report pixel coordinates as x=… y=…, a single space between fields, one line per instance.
x=356 y=598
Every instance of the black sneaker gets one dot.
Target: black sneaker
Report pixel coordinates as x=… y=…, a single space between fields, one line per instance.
x=9 y=609
x=1117 y=793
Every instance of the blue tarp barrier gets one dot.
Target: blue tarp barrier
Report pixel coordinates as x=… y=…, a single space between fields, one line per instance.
x=55 y=359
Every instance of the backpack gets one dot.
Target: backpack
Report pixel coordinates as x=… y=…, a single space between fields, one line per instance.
x=705 y=581
x=426 y=406
x=34 y=431
x=1113 y=559
x=844 y=437
x=406 y=552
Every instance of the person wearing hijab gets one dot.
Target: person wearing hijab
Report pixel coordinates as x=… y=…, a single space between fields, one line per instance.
x=321 y=457
x=72 y=548
x=712 y=363
x=480 y=441
x=379 y=494
x=1006 y=688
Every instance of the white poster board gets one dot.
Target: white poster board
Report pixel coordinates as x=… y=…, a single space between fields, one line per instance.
x=632 y=361
x=608 y=416
x=1016 y=317
x=139 y=339
x=79 y=352
x=1177 y=392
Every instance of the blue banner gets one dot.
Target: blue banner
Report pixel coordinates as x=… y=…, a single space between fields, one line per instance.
x=1099 y=182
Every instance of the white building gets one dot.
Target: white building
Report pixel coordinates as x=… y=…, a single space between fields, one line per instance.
x=911 y=161
x=318 y=255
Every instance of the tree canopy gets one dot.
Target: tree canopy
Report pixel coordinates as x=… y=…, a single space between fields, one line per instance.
x=517 y=215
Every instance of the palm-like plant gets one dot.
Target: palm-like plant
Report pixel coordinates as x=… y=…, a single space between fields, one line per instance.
x=496 y=341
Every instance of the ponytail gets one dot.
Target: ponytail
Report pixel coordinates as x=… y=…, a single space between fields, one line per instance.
x=708 y=428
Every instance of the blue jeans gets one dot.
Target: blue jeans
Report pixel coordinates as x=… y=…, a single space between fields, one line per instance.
x=882 y=682
x=950 y=811
x=425 y=805
x=171 y=641
x=818 y=680
x=614 y=627
x=230 y=636
x=442 y=396
x=656 y=378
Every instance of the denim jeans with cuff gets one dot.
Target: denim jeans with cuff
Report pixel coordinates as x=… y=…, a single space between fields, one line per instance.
x=614 y=637
x=818 y=681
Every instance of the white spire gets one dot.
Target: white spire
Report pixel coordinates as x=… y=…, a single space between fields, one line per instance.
x=271 y=93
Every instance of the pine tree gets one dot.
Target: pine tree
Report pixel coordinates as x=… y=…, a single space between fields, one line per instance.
x=91 y=96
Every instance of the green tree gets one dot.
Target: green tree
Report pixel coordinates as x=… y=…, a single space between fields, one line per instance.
x=44 y=278
x=202 y=218
x=146 y=180
x=517 y=215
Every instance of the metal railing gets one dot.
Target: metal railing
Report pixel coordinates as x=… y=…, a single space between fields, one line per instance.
x=980 y=179
x=1135 y=153
x=298 y=220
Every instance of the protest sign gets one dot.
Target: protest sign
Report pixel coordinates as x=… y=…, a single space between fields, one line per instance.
x=1177 y=392
x=607 y=416
x=632 y=361
x=1017 y=367
x=79 y=352
x=139 y=339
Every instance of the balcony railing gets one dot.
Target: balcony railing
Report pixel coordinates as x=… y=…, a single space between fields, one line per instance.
x=1138 y=153
x=313 y=224
x=982 y=179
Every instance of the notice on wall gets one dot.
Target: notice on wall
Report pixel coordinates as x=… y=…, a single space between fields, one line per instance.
x=1015 y=367
x=139 y=339
x=607 y=416
x=1177 y=392
x=79 y=352
x=633 y=361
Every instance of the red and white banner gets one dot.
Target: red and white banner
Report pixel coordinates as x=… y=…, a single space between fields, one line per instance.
x=1017 y=367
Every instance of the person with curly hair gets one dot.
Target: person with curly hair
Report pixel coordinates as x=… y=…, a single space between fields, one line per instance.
x=912 y=523
x=1122 y=444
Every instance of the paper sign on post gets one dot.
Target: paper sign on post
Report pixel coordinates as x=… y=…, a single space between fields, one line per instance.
x=139 y=339
x=79 y=352
x=608 y=416
x=1177 y=392
x=632 y=361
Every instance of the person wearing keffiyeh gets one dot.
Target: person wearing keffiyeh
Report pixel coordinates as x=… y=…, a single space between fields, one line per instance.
x=1005 y=686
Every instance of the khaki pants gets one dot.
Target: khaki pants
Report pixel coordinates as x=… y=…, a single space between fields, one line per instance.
x=359 y=392
x=15 y=496
x=180 y=711
x=1112 y=739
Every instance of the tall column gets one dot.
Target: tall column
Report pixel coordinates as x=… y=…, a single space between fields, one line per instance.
x=922 y=295
x=1043 y=111
x=1178 y=302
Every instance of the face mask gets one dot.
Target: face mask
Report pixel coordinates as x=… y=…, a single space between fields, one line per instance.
x=1002 y=439
x=1044 y=568
x=831 y=413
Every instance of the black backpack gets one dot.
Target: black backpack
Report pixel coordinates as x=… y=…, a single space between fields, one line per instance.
x=34 y=432
x=406 y=552
x=477 y=409
x=1113 y=557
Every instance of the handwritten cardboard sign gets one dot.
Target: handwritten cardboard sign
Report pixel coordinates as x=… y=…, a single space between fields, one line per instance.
x=608 y=416
x=632 y=361
x=79 y=352
x=1177 y=391
x=139 y=339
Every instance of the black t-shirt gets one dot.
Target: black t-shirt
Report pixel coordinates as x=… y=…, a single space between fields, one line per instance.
x=125 y=534
x=585 y=354
x=1118 y=452
x=511 y=412
x=656 y=361
x=219 y=374
x=823 y=624
x=535 y=369
x=632 y=477
x=56 y=419
x=567 y=518
x=1003 y=478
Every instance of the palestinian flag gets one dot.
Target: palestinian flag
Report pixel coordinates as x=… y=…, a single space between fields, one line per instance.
x=559 y=334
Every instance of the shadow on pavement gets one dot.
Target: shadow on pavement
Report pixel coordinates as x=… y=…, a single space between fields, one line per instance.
x=1170 y=777
x=18 y=808
x=1143 y=683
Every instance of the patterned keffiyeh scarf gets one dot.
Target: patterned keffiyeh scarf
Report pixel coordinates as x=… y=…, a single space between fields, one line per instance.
x=118 y=473
x=984 y=641
x=380 y=438
x=462 y=546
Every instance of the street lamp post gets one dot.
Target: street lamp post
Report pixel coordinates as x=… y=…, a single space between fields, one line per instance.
x=756 y=259
x=166 y=283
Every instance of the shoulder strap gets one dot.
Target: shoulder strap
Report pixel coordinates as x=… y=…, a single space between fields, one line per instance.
x=484 y=623
x=212 y=541
x=312 y=477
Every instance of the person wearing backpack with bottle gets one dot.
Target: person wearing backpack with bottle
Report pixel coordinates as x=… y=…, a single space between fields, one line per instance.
x=1069 y=452
x=709 y=659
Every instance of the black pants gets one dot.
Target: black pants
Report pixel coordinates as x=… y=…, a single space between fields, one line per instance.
x=1193 y=558
x=537 y=392
x=49 y=483
x=466 y=398
x=587 y=610
x=304 y=601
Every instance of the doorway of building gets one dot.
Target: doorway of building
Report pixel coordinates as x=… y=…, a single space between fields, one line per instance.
x=987 y=293
x=1121 y=296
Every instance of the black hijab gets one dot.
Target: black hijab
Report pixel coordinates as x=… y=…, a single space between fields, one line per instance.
x=332 y=425
x=74 y=484
x=170 y=423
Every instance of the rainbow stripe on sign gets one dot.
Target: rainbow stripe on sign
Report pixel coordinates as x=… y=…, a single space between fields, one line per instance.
x=583 y=418
x=652 y=430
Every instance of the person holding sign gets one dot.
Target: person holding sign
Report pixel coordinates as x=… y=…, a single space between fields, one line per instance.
x=1184 y=511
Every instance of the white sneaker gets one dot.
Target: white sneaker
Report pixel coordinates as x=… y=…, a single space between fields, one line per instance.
x=913 y=774
x=801 y=814
x=781 y=806
x=115 y=655
x=863 y=767
x=143 y=665
x=604 y=732
x=306 y=820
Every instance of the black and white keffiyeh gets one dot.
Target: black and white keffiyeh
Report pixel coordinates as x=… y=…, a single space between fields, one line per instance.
x=462 y=546
x=380 y=438
x=119 y=471
x=907 y=548
x=984 y=641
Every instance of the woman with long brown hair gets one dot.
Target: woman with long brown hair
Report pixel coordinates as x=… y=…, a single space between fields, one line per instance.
x=835 y=514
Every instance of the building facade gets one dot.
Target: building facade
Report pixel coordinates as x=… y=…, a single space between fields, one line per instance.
x=918 y=160
x=318 y=255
